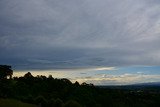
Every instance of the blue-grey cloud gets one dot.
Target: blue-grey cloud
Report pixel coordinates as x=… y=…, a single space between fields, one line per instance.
x=74 y=33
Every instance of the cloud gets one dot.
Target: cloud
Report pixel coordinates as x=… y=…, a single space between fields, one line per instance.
x=123 y=79
x=40 y=61
x=64 y=34
x=109 y=76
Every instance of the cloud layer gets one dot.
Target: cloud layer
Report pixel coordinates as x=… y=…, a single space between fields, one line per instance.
x=36 y=34
x=103 y=76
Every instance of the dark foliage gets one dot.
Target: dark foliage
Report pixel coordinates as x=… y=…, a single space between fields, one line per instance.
x=5 y=71
x=51 y=92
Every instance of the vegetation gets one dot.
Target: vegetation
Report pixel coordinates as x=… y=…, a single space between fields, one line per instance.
x=5 y=71
x=14 y=103
x=51 y=92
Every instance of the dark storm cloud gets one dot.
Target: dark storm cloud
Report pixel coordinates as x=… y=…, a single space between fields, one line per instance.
x=74 y=33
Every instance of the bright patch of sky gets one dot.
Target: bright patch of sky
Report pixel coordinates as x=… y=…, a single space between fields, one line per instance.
x=104 y=76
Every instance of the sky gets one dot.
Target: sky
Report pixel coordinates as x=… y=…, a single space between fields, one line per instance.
x=99 y=36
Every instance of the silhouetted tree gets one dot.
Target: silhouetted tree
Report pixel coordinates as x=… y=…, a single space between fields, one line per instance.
x=50 y=76
x=28 y=75
x=66 y=81
x=76 y=83
x=84 y=84
x=5 y=71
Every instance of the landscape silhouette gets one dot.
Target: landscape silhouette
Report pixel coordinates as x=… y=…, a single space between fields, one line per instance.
x=42 y=91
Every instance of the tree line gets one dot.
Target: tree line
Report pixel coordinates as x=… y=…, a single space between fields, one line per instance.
x=52 y=92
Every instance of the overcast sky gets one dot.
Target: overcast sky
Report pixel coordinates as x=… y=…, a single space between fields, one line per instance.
x=49 y=34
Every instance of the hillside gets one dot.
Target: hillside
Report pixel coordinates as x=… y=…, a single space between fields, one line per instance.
x=14 y=103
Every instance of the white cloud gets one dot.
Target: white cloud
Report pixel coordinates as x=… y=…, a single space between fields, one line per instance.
x=98 y=77
x=123 y=79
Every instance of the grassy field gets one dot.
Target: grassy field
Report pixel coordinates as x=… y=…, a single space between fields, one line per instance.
x=14 y=103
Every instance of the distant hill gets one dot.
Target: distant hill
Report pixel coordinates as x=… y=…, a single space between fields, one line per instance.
x=142 y=86
x=148 y=84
